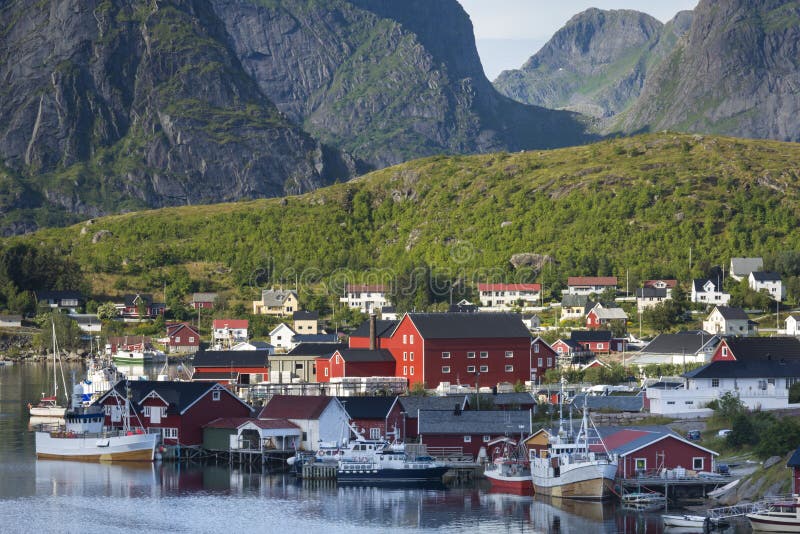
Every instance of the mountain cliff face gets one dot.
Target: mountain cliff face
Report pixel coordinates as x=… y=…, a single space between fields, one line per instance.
x=110 y=105
x=736 y=72
x=596 y=64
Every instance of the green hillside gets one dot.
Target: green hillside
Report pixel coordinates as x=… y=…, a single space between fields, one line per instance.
x=636 y=204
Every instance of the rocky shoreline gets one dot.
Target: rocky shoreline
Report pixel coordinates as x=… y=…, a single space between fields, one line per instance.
x=20 y=349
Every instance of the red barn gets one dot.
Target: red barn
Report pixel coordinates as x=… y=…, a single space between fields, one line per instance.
x=462 y=348
x=470 y=430
x=597 y=341
x=178 y=409
x=182 y=337
x=355 y=362
x=756 y=348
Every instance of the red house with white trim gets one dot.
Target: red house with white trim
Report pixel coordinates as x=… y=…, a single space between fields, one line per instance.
x=178 y=409
x=586 y=285
x=355 y=363
x=182 y=337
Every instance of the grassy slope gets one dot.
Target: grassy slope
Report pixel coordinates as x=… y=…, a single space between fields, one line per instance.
x=636 y=203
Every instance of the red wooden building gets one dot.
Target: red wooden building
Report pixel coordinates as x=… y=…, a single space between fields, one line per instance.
x=178 y=409
x=360 y=337
x=355 y=363
x=597 y=341
x=182 y=337
x=232 y=366
x=462 y=348
x=375 y=417
x=470 y=430
x=140 y=306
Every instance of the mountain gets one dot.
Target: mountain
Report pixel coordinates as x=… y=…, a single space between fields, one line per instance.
x=633 y=205
x=736 y=72
x=113 y=105
x=596 y=64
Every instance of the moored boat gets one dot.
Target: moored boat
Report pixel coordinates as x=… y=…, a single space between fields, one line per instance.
x=510 y=468
x=390 y=467
x=48 y=406
x=688 y=521
x=778 y=516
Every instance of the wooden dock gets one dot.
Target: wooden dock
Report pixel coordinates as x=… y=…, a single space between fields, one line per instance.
x=675 y=488
x=319 y=471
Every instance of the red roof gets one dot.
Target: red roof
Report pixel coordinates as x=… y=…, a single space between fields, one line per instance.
x=509 y=287
x=592 y=281
x=294 y=407
x=231 y=323
x=652 y=283
x=236 y=422
x=622 y=437
x=366 y=288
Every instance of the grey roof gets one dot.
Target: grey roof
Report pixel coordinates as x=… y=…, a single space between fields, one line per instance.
x=689 y=342
x=590 y=335
x=204 y=297
x=302 y=315
x=700 y=282
x=764 y=348
x=474 y=422
x=617 y=403
x=794 y=461
x=744 y=266
x=275 y=297
x=316 y=349
x=383 y=328
x=730 y=313
x=469 y=325
x=144 y=298
x=411 y=404
x=574 y=301
x=609 y=313
x=231 y=358
x=366 y=355
x=510 y=399
x=315 y=338
x=179 y=395
x=748 y=369
x=59 y=295
x=651 y=292
x=370 y=407
x=766 y=276
x=652 y=433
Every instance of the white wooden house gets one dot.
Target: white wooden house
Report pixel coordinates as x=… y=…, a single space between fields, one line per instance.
x=366 y=298
x=281 y=337
x=767 y=281
x=320 y=418
x=729 y=321
x=709 y=292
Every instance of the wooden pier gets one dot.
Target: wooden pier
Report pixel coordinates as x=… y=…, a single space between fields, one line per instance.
x=319 y=471
x=674 y=488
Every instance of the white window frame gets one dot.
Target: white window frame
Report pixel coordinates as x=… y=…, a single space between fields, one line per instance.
x=326 y=371
x=445 y=355
x=484 y=354
x=374 y=433
x=147 y=411
x=637 y=461
x=702 y=463
x=405 y=370
x=471 y=355
x=536 y=348
x=509 y=368
x=484 y=368
x=169 y=433
x=216 y=395
x=467 y=439
x=411 y=356
x=549 y=361
x=487 y=439
x=405 y=356
x=509 y=354
x=601 y=345
x=445 y=369
x=471 y=369
x=539 y=362
x=411 y=339
x=412 y=370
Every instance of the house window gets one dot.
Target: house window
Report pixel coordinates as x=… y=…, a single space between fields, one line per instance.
x=536 y=348
x=601 y=345
x=509 y=354
x=147 y=411
x=177 y=339
x=470 y=355
x=509 y=368
x=762 y=385
x=484 y=354
x=539 y=362
x=724 y=352
x=405 y=356
x=688 y=402
x=374 y=433
x=405 y=339
x=698 y=464
x=215 y=395
x=470 y=368
x=487 y=439
x=191 y=339
x=445 y=369
x=670 y=402
x=326 y=371
x=484 y=368
x=169 y=433
x=107 y=409
x=411 y=339
x=640 y=464
x=405 y=370
x=411 y=356
x=715 y=382
x=550 y=362
x=445 y=355
x=467 y=439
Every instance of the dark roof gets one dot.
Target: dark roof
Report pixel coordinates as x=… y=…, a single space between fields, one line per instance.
x=232 y=423
x=315 y=338
x=294 y=407
x=59 y=295
x=747 y=369
x=700 y=282
x=383 y=329
x=411 y=404
x=231 y=358
x=302 y=315
x=764 y=348
x=366 y=355
x=617 y=403
x=689 y=342
x=316 y=349
x=462 y=308
x=765 y=276
x=469 y=325
x=179 y=395
x=474 y=422
x=510 y=399
x=651 y=292
x=145 y=298
x=372 y=407
x=573 y=301
x=590 y=335
x=794 y=461
x=730 y=313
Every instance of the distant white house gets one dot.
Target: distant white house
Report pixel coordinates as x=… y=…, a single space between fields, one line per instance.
x=729 y=321
x=87 y=322
x=586 y=285
x=533 y=322
x=226 y=332
x=281 y=337
x=504 y=296
x=708 y=292
x=366 y=298
x=254 y=345
x=654 y=292
x=767 y=281
x=793 y=325
x=742 y=267
x=10 y=321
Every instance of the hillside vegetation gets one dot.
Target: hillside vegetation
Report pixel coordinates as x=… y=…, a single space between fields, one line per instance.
x=635 y=205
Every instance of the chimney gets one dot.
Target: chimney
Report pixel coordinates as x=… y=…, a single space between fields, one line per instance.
x=372 y=328
x=457 y=410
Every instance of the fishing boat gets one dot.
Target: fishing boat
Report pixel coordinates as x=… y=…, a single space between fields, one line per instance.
x=510 y=468
x=644 y=501
x=574 y=467
x=778 y=516
x=83 y=436
x=48 y=406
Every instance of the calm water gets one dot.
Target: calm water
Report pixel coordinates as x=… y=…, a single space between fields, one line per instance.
x=53 y=496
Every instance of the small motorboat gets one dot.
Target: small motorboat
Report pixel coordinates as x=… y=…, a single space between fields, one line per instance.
x=779 y=516
x=686 y=520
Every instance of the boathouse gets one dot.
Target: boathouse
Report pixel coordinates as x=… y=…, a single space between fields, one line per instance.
x=470 y=431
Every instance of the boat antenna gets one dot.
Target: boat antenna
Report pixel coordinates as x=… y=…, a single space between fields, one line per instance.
x=57 y=358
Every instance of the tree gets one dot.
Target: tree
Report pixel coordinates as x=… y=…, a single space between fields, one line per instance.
x=68 y=333
x=107 y=311
x=728 y=406
x=418 y=389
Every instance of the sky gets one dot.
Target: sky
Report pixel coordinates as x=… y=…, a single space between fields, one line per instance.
x=508 y=32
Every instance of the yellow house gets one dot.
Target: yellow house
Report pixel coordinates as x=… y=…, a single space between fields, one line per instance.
x=276 y=302
x=538 y=441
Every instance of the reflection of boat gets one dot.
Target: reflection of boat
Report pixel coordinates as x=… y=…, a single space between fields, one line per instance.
x=510 y=468
x=779 y=516
x=574 y=468
x=48 y=406
x=565 y=515
x=83 y=438
x=644 y=501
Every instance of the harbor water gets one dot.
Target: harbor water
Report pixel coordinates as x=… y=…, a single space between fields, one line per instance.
x=73 y=497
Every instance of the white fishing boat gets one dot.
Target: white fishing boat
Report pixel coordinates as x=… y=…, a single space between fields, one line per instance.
x=575 y=467
x=48 y=406
x=687 y=521
x=83 y=436
x=101 y=375
x=778 y=516
x=510 y=468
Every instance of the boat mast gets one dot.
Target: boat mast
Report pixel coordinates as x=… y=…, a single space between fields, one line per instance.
x=561 y=409
x=55 y=379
